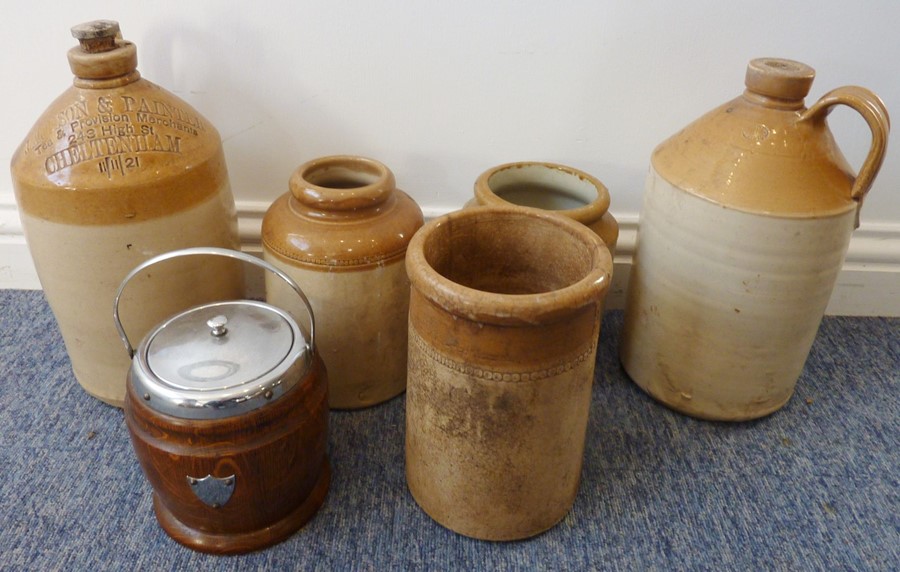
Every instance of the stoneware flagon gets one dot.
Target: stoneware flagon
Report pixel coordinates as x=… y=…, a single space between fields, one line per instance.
x=227 y=410
x=341 y=233
x=503 y=328
x=115 y=171
x=550 y=186
x=746 y=219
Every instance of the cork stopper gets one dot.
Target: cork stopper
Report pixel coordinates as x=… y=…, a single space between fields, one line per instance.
x=102 y=54
x=97 y=35
x=779 y=78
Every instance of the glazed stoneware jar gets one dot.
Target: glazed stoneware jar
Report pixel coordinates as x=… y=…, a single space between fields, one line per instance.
x=114 y=172
x=228 y=414
x=503 y=325
x=746 y=220
x=553 y=187
x=341 y=233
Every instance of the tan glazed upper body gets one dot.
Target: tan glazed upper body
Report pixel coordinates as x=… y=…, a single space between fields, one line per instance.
x=116 y=132
x=765 y=152
x=360 y=220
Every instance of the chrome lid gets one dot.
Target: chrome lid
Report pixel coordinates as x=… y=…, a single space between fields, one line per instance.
x=220 y=360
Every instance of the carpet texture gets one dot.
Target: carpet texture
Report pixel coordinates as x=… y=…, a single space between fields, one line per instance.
x=815 y=486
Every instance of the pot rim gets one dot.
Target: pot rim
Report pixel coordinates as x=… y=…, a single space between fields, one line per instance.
x=584 y=214
x=376 y=183
x=510 y=309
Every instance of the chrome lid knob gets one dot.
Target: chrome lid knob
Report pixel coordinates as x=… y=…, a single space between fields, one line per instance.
x=217 y=325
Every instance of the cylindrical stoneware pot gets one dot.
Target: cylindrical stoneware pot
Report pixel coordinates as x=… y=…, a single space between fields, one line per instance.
x=549 y=186
x=227 y=409
x=503 y=327
x=746 y=219
x=341 y=233
x=115 y=171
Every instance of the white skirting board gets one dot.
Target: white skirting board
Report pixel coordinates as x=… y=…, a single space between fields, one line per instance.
x=869 y=284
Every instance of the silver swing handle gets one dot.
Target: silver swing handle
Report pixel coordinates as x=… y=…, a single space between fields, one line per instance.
x=210 y=250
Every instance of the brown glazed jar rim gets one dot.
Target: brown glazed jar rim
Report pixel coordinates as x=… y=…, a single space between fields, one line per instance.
x=509 y=309
x=585 y=214
x=375 y=183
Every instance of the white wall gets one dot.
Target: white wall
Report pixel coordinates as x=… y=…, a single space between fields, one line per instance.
x=442 y=90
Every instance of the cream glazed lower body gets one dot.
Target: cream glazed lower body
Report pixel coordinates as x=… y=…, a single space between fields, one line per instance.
x=496 y=454
x=361 y=325
x=723 y=305
x=81 y=267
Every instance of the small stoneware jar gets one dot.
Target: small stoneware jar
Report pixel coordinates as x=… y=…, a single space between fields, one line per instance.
x=746 y=220
x=341 y=233
x=553 y=187
x=503 y=326
x=116 y=171
x=227 y=409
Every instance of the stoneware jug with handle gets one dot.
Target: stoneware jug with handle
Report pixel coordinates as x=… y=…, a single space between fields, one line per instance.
x=745 y=223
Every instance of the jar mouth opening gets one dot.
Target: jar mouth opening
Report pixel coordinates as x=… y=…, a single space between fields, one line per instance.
x=343 y=174
x=509 y=264
x=546 y=186
x=342 y=182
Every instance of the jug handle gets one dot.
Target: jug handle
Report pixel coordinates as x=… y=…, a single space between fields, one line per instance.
x=211 y=250
x=874 y=112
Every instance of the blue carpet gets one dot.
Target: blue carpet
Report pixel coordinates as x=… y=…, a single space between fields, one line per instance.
x=815 y=486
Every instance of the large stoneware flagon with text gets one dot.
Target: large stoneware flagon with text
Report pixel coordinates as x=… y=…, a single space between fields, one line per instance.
x=115 y=171
x=746 y=220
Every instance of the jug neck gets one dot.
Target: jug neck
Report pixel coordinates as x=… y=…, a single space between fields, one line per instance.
x=102 y=59
x=775 y=103
x=777 y=83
